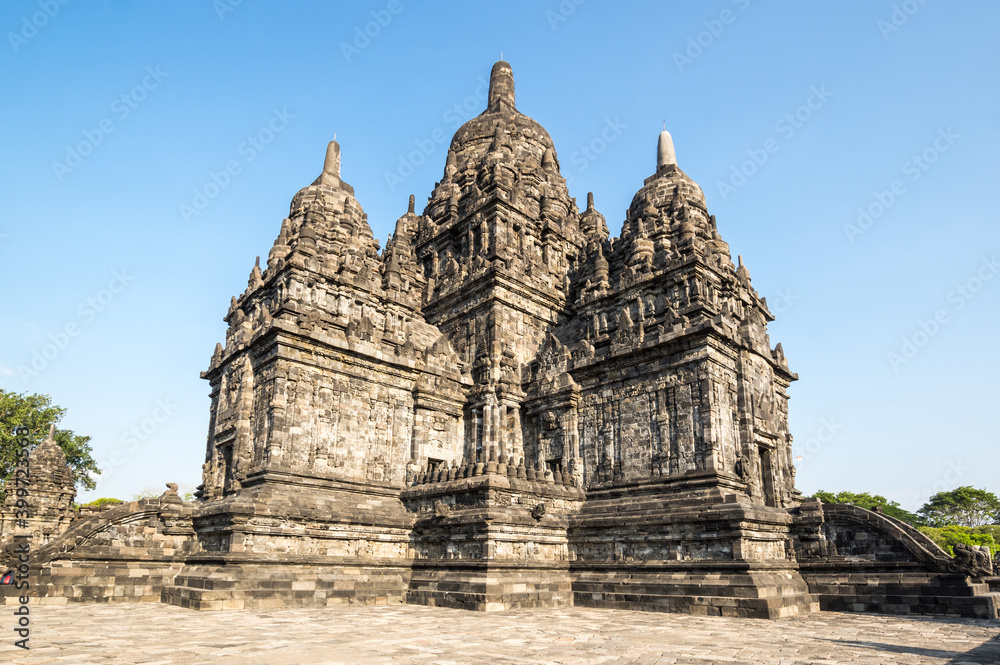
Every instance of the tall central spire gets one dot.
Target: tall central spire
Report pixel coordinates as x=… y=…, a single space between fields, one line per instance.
x=501 y=87
x=665 y=155
x=331 y=167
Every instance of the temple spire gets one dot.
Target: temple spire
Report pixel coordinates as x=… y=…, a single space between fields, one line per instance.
x=332 y=164
x=665 y=156
x=331 y=167
x=501 y=87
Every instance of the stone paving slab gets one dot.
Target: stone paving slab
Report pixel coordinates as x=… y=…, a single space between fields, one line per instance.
x=155 y=634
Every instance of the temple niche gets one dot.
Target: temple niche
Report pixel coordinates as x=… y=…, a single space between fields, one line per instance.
x=507 y=407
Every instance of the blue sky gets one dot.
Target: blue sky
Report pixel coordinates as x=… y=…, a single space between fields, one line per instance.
x=848 y=150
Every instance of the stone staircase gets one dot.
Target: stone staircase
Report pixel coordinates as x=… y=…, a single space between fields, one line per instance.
x=668 y=587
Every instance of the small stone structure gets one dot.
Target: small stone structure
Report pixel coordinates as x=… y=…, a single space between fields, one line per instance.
x=506 y=407
x=47 y=496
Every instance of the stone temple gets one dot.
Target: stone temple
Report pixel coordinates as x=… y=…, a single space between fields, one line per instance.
x=503 y=408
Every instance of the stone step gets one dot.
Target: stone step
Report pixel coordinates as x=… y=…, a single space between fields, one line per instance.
x=763 y=608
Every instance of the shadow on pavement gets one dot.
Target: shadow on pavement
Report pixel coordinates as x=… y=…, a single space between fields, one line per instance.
x=987 y=653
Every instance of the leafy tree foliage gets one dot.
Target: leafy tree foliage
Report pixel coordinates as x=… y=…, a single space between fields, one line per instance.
x=962 y=506
x=104 y=501
x=870 y=502
x=949 y=536
x=36 y=413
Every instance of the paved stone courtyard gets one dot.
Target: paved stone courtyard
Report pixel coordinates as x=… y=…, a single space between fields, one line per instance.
x=154 y=634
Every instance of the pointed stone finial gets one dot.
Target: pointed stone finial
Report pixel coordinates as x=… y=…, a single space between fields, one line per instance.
x=52 y=433
x=665 y=156
x=590 y=200
x=501 y=87
x=600 y=264
x=255 y=275
x=331 y=169
x=741 y=270
x=332 y=164
x=409 y=208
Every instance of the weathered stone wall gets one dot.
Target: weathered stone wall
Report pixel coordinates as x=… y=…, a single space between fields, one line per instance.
x=259 y=584
x=355 y=422
x=492 y=517
x=278 y=514
x=642 y=426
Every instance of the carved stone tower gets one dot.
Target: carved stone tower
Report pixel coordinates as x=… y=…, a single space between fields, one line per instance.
x=505 y=408
x=508 y=407
x=482 y=393
x=498 y=242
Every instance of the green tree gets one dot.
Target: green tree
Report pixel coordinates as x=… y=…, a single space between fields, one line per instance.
x=99 y=503
x=949 y=536
x=962 y=506
x=36 y=413
x=870 y=502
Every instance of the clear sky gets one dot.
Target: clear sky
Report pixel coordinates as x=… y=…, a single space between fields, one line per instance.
x=848 y=150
